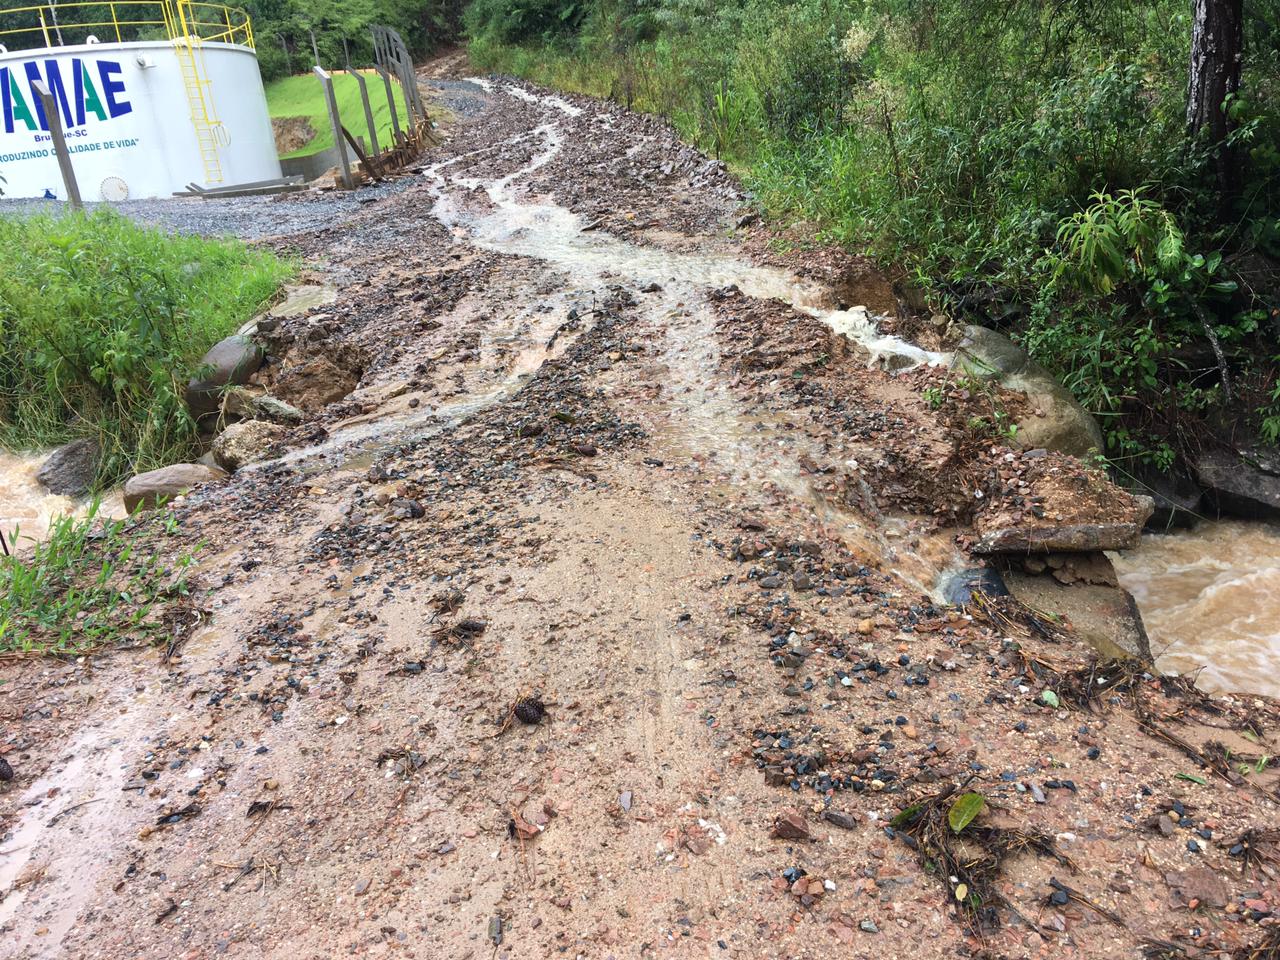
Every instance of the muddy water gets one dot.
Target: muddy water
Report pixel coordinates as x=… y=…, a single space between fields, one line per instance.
x=1210 y=598
x=709 y=425
x=548 y=232
x=26 y=508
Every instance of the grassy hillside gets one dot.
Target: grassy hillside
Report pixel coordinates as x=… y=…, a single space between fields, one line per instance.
x=301 y=96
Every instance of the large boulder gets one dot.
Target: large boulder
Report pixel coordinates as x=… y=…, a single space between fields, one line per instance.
x=1243 y=483
x=1056 y=420
x=155 y=487
x=246 y=442
x=229 y=362
x=70 y=470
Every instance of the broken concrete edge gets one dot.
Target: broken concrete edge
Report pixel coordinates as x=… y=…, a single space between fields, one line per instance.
x=1102 y=614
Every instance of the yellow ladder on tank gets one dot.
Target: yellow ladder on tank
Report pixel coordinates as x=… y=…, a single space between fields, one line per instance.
x=204 y=116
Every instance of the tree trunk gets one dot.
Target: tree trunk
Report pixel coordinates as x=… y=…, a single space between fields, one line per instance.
x=1217 y=43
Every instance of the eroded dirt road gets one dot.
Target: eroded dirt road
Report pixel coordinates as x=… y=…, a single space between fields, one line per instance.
x=606 y=449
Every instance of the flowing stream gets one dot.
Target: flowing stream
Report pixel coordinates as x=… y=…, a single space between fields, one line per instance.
x=1210 y=598
x=26 y=507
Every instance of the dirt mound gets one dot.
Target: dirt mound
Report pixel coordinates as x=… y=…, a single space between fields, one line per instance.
x=291 y=133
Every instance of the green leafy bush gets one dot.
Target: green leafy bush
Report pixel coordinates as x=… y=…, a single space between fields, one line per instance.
x=524 y=21
x=102 y=322
x=791 y=70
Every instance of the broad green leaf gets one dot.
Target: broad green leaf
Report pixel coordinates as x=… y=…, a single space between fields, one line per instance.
x=906 y=816
x=966 y=807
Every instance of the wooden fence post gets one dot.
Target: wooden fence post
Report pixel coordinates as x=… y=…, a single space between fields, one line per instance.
x=54 y=121
x=335 y=121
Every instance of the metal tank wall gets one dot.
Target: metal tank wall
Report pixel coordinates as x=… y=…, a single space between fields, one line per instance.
x=127 y=119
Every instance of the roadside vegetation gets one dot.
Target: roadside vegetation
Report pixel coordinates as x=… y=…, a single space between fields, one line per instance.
x=302 y=96
x=1034 y=166
x=102 y=323
x=91 y=582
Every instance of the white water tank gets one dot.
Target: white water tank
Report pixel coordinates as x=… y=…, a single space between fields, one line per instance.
x=142 y=119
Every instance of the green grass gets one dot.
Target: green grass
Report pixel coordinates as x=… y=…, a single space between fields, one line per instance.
x=102 y=322
x=302 y=96
x=90 y=583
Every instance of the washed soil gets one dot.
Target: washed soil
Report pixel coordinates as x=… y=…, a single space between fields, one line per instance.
x=602 y=465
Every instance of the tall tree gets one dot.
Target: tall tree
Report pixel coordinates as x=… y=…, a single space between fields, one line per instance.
x=1217 y=48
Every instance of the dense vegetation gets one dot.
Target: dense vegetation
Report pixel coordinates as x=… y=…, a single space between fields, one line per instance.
x=102 y=322
x=1029 y=162
x=283 y=30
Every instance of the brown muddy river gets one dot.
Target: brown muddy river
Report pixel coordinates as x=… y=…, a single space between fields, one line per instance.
x=1210 y=598
x=27 y=508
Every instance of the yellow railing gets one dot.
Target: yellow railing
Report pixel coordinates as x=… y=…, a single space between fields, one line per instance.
x=67 y=24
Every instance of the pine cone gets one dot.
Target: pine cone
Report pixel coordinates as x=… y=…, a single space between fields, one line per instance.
x=530 y=710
